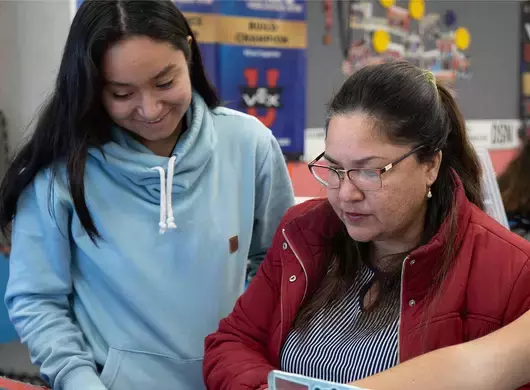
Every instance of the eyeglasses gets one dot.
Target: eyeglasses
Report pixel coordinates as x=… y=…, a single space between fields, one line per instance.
x=365 y=179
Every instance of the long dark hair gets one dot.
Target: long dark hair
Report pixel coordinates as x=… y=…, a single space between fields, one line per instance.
x=514 y=183
x=73 y=119
x=409 y=108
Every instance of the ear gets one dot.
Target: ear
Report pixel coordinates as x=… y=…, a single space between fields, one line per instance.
x=189 y=40
x=432 y=167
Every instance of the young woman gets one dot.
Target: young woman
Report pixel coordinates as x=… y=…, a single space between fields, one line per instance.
x=398 y=261
x=514 y=184
x=137 y=203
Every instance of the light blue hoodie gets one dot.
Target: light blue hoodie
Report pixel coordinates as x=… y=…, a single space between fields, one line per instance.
x=141 y=303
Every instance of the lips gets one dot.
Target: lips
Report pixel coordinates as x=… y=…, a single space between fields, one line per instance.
x=157 y=120
x=355 y=218
x=356 y=215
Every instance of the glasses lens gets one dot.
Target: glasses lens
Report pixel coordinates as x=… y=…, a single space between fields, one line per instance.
x=326 y=176
x=366 y=179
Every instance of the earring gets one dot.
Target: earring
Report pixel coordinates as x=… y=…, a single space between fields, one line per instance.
x=429 y=194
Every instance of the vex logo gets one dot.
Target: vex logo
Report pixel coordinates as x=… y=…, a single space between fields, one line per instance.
x=255 y=96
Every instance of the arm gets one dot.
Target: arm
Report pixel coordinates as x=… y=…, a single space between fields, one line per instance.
x=274 y=196
x=236 y=357
x=38 y=291
x=498 y=361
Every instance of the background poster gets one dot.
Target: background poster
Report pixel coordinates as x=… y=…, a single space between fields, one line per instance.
x=262 y=65
x=524 y=100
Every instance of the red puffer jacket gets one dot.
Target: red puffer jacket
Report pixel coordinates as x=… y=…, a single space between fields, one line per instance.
x=488 y=287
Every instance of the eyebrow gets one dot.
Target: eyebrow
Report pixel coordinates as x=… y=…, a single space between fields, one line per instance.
x=359 y=162
x=160 y=74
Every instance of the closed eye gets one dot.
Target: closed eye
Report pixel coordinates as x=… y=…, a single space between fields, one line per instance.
x=167 y=85
x=122 y=96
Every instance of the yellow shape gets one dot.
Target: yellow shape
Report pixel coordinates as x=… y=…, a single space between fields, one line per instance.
x=380 y=41
x=387 y=3
x=416 y=9
x=526 y=84
x=462 y=38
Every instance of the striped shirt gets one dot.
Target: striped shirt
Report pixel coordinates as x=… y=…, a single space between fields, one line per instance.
x=344 y=343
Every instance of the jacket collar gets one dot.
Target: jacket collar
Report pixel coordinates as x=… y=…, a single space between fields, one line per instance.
x=310 y=232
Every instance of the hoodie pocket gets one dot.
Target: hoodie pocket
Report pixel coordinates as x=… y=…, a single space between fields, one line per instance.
x=126 y=369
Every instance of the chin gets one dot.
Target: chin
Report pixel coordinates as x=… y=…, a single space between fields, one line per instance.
x=361 y=234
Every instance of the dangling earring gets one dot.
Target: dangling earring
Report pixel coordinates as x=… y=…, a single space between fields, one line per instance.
x=429 y=194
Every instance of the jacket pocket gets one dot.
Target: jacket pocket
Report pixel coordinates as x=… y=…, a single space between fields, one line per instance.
x=127 y=369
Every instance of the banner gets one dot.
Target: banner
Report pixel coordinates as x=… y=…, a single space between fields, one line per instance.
x=524 y=99
x=202 y=18
x=262 y=65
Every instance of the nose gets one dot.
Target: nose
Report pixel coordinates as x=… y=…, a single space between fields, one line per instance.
x=150 y=108
x=348 y=192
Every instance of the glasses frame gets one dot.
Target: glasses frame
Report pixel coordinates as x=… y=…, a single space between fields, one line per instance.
x=342 y=173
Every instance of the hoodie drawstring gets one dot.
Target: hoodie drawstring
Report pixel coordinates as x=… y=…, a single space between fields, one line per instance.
x=167 y=221
x=169 y=188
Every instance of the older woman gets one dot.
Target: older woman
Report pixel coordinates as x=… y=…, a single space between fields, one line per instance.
x=398 y=261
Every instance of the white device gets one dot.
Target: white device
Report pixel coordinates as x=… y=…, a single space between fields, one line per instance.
x=280 y=380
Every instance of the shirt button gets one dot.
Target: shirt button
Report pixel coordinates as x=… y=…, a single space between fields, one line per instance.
x=412 y=302
x=284 y=246
x=292 y=278
x=412 y=262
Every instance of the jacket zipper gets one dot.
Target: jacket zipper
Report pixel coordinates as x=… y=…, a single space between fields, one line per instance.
x=281 y=288
x=401 y=308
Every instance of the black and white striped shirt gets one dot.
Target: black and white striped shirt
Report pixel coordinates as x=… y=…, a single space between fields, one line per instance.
x=344 y=343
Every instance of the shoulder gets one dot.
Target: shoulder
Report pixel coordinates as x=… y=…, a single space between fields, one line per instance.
x=45 y=200
x=48 y=182
x=499 y=257
x=230 y=122
x=313 y=218
x=491 y=235
x=302 y=209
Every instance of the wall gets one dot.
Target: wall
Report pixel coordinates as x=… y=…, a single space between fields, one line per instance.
x=32 y=35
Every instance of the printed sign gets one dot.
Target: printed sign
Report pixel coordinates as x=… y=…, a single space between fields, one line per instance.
x=262 y=65
x=494 y=134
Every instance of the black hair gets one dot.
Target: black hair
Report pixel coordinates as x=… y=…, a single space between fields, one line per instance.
x=408 y=107
x=74 y=119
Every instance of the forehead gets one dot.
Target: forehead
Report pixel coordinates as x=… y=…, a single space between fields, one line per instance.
x=355 y=137
x=137 y=59
x=352 y=129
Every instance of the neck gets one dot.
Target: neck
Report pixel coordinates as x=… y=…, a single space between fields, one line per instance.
x=383 y=251
x=164 y=147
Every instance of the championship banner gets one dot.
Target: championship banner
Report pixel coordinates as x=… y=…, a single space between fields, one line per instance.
x=262 y=65
x=202 y=18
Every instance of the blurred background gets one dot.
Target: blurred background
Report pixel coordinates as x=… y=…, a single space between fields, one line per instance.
x=281 y=60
